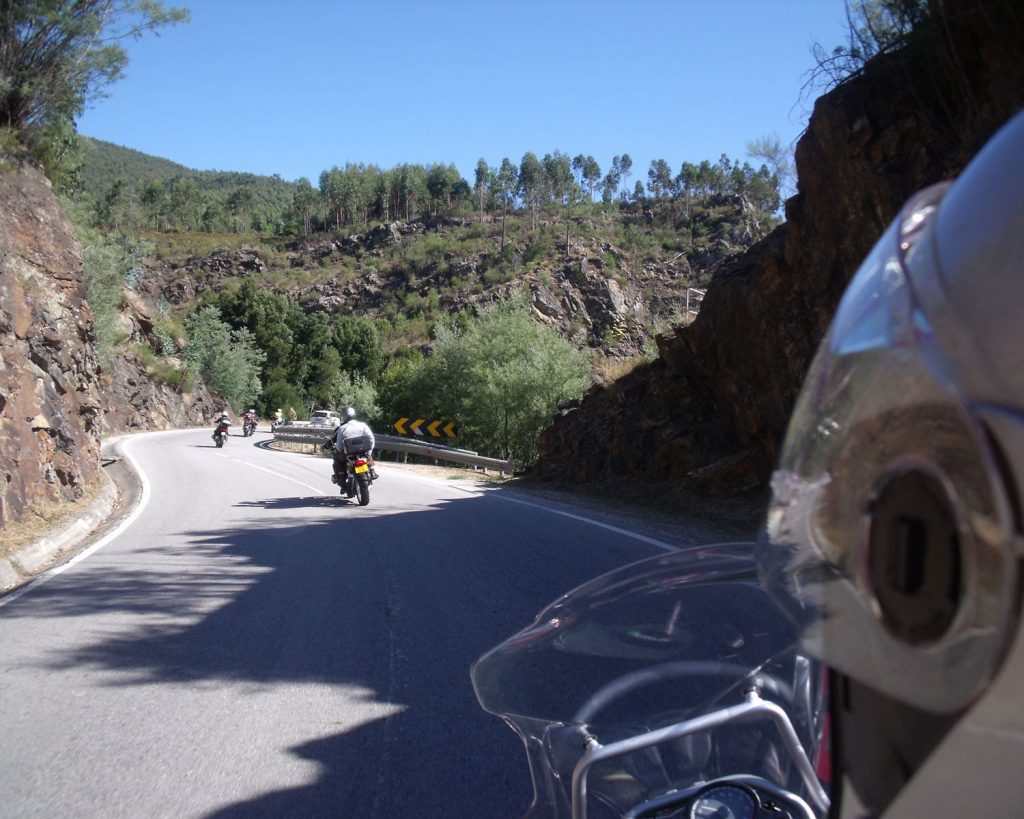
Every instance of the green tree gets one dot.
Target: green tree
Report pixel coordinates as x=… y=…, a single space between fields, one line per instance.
x=504 y=185
x=228 y=359
x=240 y=203
x=532 y=185
x=625 y=170
x=501 y=376
x=57 y=55
x=484 y=174
x=358 y=343
x=186 y=203
x=304 y=203
x=659 y=178
x=348 y=390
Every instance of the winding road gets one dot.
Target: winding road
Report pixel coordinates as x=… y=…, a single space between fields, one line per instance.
x=248 y=643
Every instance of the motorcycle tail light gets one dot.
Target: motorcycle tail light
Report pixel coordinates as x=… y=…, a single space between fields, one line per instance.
x=360 y=461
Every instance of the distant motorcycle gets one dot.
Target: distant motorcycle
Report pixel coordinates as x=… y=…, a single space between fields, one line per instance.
x=248 y=428
x=220 y=434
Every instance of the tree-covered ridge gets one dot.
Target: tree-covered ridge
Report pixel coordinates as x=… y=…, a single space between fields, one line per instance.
x=131 y=190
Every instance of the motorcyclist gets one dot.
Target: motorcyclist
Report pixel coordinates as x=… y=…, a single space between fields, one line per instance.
x=894 y=532
x=250 y=418
x=222 y=424
x=350 y=429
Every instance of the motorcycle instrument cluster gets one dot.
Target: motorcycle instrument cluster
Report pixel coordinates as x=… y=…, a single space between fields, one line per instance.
x=724 y=802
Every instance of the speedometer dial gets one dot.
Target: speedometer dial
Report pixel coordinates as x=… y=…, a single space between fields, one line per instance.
x=724 y=802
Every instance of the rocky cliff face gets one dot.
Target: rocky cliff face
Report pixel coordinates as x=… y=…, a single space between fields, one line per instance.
x=136 y=401
x=50 y=404
x=710 y=413
x=55 y=397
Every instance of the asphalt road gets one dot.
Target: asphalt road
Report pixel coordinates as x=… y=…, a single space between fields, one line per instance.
x=251 y=644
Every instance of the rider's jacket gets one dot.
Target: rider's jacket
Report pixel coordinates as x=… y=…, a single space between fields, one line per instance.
x=349 y=431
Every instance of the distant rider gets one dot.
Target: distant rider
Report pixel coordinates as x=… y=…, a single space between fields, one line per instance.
x=222 y=425
x=348 y=431
x=250 y=418
x=292 y=415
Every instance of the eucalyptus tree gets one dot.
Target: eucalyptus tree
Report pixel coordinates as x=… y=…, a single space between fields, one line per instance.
x=442 y=183
x=659 y=178
x=610 y=184
x=625 y=170
x=685 y=184
x=562 y=185
x=504 y=183
x=589 y=171
x=482 y=182
x=532 y=181
x=304 y=203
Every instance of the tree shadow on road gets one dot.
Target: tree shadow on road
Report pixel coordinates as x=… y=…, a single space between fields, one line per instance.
x=398 y=604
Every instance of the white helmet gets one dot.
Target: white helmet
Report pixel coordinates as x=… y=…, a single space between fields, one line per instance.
x=893 y=535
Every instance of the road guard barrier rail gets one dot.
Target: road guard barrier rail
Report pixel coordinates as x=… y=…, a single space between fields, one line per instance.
x=303 y=433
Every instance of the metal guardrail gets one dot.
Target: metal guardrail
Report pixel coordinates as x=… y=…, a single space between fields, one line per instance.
x=303 y=433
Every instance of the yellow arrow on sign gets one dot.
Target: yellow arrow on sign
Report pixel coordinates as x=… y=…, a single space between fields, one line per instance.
x=432 y=429
x=414 y=427
x=449 y=429
x=400 y=425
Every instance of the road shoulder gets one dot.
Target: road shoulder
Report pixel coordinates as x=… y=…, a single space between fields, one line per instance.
x=117 y=496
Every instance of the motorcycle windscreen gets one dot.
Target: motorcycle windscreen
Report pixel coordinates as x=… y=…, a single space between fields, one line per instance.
x=644 y=647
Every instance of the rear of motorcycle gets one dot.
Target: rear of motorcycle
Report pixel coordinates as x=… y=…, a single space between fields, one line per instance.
x=358 y=477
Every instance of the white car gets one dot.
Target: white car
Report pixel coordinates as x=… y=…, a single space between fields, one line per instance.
x=324 y=418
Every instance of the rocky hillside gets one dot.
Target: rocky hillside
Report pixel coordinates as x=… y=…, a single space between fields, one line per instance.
x=577 y=294
x=710 y=413
x=55 y=397
x=50 y=398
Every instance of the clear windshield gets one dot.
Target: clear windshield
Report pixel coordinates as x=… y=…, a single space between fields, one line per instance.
x=652 y=645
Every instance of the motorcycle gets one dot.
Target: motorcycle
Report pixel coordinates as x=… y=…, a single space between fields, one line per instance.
x=671 y=688
x=358 y=477
x=248 y=428
x=220 y=434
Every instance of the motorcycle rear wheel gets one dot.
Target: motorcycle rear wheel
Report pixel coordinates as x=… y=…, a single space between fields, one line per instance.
x=363 y=490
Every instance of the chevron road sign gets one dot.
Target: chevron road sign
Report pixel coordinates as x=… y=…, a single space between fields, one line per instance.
x=437 y=429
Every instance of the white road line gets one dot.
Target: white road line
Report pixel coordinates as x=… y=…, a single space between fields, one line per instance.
x=494 y=493
x=99 y=544
x=279 y=475
x=668 y=547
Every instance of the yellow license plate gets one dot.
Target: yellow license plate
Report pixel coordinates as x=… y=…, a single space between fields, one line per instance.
x=361 y=469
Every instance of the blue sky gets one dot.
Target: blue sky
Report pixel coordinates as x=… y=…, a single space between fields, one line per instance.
x=292 y=88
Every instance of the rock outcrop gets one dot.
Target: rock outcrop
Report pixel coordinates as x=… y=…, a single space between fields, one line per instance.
x=56 y=399
x=50 y=404
x=141 y=402
x=710 y=413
